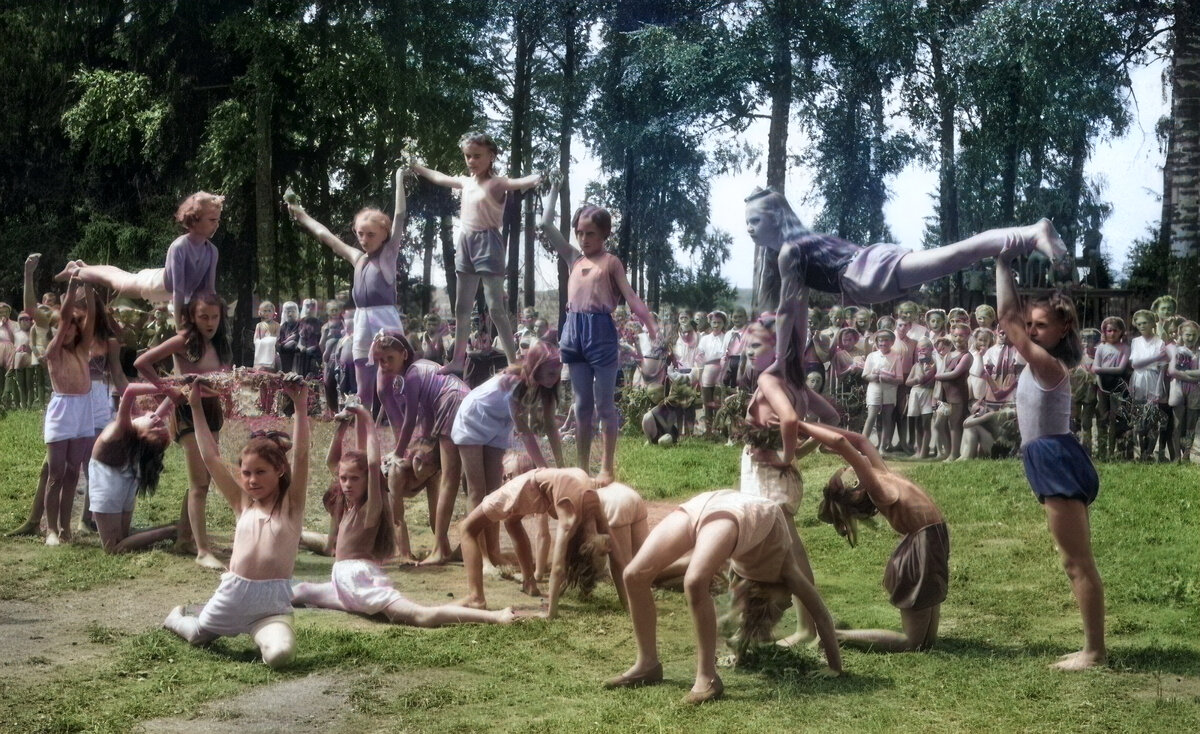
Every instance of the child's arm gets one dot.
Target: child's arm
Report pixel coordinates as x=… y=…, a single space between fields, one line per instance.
x=30 y=295
x=870 y=370
x=1159 y=356
x=374 y=504
x=521 y=424
x=635 y=302
x=210 y=452
x=916 y=375
x=550 y=420
x=333 y=457
x=960 y=369
x=616 y=555
x=297 y=389
x=129 y=396
x=791 y=318
x=324 y=236
x=858 y=452
x=146 y=361
x=771 y=387
x=520 y=184
x=803 y=590
x=1118 y=369
x=437 y=178
x=401 y=209
x=558 y=567
x=1011 y=316
x=556 y=239
x=119 y=380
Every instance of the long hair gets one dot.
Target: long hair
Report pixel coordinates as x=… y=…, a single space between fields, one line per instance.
x=775 y=203
x=271 y=449
x=144 y=458
x=754 y=611
x=385 y=534
x=842 y=507
x=1070 y=348
x=193 y=340
x=586 y=560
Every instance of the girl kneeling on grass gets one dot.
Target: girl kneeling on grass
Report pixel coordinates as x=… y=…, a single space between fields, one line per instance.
x=582 y=537
x=365 y=539
x=918 y=572
x=752 y=534
x=267 y=497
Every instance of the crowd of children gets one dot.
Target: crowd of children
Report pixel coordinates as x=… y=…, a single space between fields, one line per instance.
x=457 y=413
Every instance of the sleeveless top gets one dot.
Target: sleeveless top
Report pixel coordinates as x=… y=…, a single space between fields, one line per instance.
x=480 y=212
x=284 y=540
x=592 y=287
x=375 y=276
x=1042 y=411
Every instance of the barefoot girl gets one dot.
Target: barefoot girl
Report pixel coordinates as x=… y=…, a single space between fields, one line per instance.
x=364 y=541
x=1111 y=368
x=751 y=533
x=415 y=394
x=267 y=498
x=478 y=249
x=191 y=265
x=956 y=392
x=920 y=396
x=1062 y=477
x=69 y=427
x=567 y=495
x=918 y=573
x=202 y=347
x=589 y=338
x=126 y=462
x=374 y=286
x=1184 y=396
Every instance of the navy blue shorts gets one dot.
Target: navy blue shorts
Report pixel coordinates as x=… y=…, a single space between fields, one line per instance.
x=1057 y=466
x=590 y=338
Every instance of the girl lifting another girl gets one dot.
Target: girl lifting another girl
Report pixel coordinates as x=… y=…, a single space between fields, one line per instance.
x=365 y=540
x=267 y=497
x=589 y=339
x=478 y=249
x=1046 y=334
x=374 y=286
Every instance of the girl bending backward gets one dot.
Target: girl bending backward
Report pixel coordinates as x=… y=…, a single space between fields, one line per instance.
x=267 y=496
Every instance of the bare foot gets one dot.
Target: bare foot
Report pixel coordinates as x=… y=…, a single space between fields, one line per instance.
x=52 y=539
x=29 y=528
x=207 y=560
x=507 y=616
x=605 y=478
x=406 y=559
x=1081 y=660
x=1047 y=241
x=529 y=588
x=473 y=602
x=453 y=367
x=798 y=637
x=437 y=558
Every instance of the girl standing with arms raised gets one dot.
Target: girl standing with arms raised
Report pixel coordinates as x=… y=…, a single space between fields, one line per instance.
x=589 y=338
x=479 y=250
x=374 y=286
x=1059 y=471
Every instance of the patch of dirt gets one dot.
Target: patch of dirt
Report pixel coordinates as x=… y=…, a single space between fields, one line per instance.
x=308 y=704
x=1170 y=687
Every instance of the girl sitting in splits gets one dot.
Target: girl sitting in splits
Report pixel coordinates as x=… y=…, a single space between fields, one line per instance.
x=582 y=536
x=918 y=573
x=365 y=539
x=750 y=533
x=267 y=497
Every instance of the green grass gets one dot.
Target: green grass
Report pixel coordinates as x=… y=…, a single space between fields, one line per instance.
x=1008 y=615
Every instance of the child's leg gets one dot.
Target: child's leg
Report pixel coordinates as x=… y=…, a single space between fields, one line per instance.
x=715 y=542
x=669 y=540
x=605 y=387
x=476 y=475
x=524 y=550
x=197 y=500
x=65 y=458
x=187 y=627
x=33 y=525
x=493 y=292
x=24 y=385
x=416 y=615
x=958 y=413
x=921 y=266
x=365 y=376
x=869 y=424
x=924 y=434
x=1068 y=523
x=493 y=472
x=582 y=379
x=1165 y=430
x=447 y=494
x=920 y=632
x=276 y=640
x=146 y=538
x=543 y=539
x=940 y=428
x=403 y=544
x=323 y=595
x=464 y=302
x=1104 y=423
x=806 y=629
x=885 y=435
x=1178 y=415
x=469 y=533
x=109 y=276
x=1087 y=421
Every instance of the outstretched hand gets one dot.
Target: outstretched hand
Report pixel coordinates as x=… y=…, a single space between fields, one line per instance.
x=294 y=385
x=31 y=262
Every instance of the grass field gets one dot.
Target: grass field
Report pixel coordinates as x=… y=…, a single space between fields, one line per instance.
x=83 y=650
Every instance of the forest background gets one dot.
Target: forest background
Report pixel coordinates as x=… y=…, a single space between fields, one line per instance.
x=114 y=110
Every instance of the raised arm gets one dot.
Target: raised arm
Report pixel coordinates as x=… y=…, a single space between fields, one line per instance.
x=436 y=178
x=333 y=456
x=210 y=452
x=550 y=229
x=374 y=504
x=401 y=208
x=324 y=236
x=30 y=295
x=297 y=389
x=119 y=380
x=854 y=448
x=1011 y=316
x=129 y=396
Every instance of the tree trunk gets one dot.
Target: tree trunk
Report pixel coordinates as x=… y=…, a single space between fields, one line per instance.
x=448 y=261
x=264 y=201
x=781 y=93
x=516 y=167
x=1184 y=154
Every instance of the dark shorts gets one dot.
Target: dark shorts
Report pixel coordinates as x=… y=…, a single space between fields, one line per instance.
x=590 y=338
x=185 y=422
x=1057 y=466
x=480 y=252
x=918 y=573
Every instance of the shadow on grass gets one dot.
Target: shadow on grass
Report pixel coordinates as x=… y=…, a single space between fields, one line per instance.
x=796 y=671
x=1175 y=660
